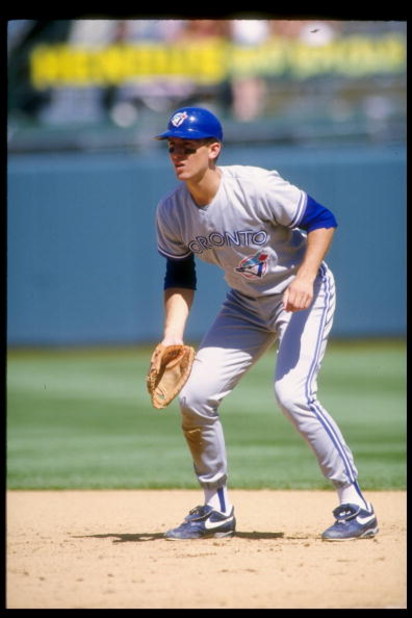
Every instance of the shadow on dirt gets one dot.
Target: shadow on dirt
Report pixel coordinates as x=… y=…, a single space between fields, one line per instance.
x=147 y=536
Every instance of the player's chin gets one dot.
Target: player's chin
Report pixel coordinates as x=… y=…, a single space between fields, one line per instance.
x=180 y=172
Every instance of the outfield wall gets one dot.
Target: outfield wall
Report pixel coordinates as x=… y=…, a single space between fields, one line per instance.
x=82 y=266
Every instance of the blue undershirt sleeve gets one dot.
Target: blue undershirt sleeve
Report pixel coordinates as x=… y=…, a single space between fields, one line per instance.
x=316 y=216
x=180 y=273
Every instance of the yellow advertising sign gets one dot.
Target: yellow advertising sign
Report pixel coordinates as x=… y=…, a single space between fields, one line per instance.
x=213 y=61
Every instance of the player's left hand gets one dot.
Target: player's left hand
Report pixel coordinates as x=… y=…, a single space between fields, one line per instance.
x=170 y=366
x=298 y=296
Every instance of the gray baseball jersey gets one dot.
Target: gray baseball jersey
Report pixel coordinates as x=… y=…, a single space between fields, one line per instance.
x=249 y=229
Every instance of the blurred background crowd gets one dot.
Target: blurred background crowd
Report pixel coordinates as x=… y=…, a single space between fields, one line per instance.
x=94 y=84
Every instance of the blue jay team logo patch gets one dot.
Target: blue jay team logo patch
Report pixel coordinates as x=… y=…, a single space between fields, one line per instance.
x=179 y=118
x=254 y=266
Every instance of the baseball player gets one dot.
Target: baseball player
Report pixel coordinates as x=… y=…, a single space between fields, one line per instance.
x=270 y=238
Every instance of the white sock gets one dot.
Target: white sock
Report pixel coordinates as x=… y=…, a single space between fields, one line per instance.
x=352 y=494
x=218 y=499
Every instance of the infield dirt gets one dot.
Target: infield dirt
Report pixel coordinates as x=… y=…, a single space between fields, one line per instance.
x=105 y=549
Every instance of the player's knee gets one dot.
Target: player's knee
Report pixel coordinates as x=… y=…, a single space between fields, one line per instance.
x=189 y=399
x=194 y=404
x=289 y=396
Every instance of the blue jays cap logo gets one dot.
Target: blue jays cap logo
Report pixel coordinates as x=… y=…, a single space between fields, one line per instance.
x=179 y=118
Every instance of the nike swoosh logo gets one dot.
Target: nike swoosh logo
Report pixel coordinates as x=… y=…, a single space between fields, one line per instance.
x=210 y=525
x=365 y=520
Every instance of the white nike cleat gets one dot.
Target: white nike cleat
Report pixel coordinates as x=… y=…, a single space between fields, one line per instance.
x=204 y=523
x=352 y=522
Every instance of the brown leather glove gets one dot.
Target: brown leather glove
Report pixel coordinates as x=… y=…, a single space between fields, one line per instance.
x=169 y=369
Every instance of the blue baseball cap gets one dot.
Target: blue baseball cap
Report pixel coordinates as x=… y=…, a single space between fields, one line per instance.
x=193 y=123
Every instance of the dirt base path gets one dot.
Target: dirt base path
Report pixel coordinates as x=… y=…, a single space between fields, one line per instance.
x=105 y=549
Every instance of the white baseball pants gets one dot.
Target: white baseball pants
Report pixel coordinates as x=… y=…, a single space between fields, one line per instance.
x=240 y=334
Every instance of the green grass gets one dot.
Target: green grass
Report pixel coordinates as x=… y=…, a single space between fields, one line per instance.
x=82 y=419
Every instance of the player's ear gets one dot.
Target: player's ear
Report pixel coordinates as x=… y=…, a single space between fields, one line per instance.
x=214 y=150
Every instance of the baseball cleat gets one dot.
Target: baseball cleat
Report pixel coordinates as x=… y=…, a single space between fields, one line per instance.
x=352 y=522
x=204 y=523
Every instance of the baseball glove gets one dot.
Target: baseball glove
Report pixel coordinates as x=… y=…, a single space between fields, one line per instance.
x=169 y=369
